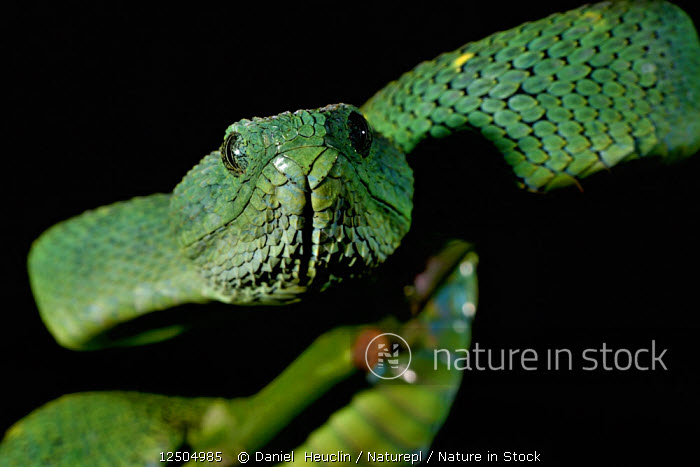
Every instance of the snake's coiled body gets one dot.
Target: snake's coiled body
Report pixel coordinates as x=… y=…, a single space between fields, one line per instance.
x=293 y=203
x=305 y=201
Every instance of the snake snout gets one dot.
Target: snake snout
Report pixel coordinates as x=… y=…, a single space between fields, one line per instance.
x=303 y=184
x=303 y=192
x=306 y=167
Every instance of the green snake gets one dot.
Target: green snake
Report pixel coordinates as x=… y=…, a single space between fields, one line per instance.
x=292 y=204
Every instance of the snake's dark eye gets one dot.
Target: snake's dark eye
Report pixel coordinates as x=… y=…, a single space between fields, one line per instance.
x=359 y=133
x=233 y=155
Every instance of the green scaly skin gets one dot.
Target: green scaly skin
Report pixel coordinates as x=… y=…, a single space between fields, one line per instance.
x=155 y=423
x=562 y=98
x=300 y=210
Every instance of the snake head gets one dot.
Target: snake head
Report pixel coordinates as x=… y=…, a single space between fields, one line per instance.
x=291 y=204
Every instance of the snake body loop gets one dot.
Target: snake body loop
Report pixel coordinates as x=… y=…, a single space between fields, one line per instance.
x=563 y=97
x=296 y=202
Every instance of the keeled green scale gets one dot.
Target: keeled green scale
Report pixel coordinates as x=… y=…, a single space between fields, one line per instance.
x=563 y=97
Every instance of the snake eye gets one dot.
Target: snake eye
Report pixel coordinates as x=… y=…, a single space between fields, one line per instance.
x=359 y=133
x=233 y=155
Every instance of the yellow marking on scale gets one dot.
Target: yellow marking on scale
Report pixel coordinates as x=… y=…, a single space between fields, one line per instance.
x=593 y=15
x=462 y=59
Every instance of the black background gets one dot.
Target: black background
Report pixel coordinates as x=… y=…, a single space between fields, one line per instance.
x=106 y=104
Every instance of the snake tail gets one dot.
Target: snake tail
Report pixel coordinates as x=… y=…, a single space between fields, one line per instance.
x=85 y=279
x=563 y=97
